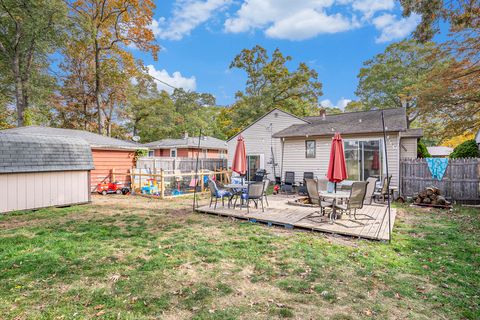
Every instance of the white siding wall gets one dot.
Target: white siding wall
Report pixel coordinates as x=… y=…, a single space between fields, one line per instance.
x=408 y=148
x=294 y=155
x=24 y=191
x=258 y=139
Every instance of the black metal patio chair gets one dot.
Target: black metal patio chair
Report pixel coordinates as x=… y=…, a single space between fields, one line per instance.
x=289 y=182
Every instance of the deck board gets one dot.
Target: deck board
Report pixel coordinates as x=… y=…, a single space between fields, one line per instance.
x=279 y=212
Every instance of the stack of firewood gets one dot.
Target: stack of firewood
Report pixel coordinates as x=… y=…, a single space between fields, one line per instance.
x=430 y=196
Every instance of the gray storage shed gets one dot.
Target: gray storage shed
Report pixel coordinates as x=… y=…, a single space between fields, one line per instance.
x=39 y=171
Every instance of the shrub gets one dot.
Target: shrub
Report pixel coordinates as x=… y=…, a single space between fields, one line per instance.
x=422 y=151
x=468 y=149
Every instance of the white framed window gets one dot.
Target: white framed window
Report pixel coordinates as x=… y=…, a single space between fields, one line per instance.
x=173 y=153
x=151 y=153
x=222 y=154
x=310 y=148
x=205 y=153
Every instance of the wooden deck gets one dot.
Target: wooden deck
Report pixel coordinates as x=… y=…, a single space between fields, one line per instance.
x=371 y=223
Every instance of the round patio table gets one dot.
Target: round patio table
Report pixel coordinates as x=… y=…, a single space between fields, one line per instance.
x=236 y=190
x=335 y=196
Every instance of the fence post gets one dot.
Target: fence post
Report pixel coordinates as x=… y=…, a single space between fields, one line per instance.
x=132 y=181
x=112 y=175
x=162 y=187
x=202 y=185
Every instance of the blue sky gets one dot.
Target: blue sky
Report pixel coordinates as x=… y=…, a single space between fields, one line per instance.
x=200 y=38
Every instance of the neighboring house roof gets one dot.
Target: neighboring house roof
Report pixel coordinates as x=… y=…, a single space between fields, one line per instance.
x=189 y=142
x=266 y=114
x=412 y=133
x=34 y=153
x=95 y=140
x=439 y=151
x=349 y=123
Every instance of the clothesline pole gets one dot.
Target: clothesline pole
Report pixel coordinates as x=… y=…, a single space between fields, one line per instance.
x=386 y=162
x=195 y=202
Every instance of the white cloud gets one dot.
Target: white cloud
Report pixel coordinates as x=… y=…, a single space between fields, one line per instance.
x=308 y=24
x=187 y=15
x=175 y=80
x=303 y=19
x=341 y=104
x=284 y=19
x=392 y=28
x=370 y=7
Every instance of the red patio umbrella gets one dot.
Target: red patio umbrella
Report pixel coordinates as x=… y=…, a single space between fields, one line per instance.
x=239 y=163
x=337 y=168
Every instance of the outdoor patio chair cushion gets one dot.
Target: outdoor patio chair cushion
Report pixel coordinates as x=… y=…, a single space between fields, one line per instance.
x=237 y=180
x=223 y=193
x=215 y=191
x=254 y=191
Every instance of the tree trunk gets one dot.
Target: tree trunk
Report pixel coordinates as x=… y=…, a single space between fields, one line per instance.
x=19 y=95
x=98 y=94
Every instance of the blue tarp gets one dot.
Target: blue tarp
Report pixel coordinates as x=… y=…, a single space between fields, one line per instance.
x=437 y=167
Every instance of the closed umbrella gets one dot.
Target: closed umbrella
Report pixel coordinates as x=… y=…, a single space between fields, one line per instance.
x=239 y=163
x=337 y=168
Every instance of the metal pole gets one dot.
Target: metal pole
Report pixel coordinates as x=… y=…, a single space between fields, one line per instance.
x=196 y=172
x=386 y=162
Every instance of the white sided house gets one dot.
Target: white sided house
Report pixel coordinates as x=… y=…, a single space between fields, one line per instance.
x=263 y=150
x=307 y=146
x=304 y=144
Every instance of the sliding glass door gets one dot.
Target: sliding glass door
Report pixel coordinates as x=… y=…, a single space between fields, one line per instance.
x=352 y=158
x=364 y=159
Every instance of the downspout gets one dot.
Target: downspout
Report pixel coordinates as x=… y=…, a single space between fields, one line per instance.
x=283 y=148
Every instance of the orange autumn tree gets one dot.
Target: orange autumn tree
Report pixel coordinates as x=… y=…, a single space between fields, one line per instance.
x=107 y=27
x=75 y=105
x=452 y=93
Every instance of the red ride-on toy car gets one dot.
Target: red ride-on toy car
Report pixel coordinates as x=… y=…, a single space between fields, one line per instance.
x=111 y=187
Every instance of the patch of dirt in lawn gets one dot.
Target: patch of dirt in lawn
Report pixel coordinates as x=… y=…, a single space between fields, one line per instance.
x=176 y=314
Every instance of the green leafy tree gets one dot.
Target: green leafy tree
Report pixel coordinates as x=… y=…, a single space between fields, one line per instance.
x=271 y=84
x=396 y=77
x=30 y=31
x=460 y=14
x=332 y=110
x=354 y=106
x=422 y=151
x=151 y=113
x=467 y=149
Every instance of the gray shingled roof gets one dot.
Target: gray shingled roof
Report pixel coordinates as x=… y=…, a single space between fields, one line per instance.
x=190 y=142
x=412 y=133
x=348 y=123
x=95 y=140
x=33 y=153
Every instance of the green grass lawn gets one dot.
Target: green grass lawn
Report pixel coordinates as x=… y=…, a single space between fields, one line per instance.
x=137 y=258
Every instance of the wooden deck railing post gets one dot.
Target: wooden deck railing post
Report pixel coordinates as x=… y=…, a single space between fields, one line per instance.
x=162 y=186
x=132 y=180
x=202 y=184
